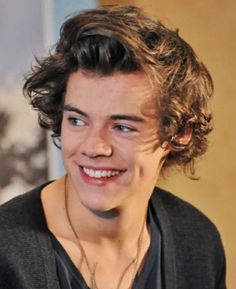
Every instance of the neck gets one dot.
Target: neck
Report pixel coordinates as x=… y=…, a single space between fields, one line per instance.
x=113 y=245
x=119 y=226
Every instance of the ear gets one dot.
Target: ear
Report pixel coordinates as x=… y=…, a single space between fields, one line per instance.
x=180 y=141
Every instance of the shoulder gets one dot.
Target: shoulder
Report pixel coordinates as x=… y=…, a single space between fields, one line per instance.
x=194 y=236
x=21 y=211
x=190 y=228
x=25 y=245
x=180 y=212
x=22 y=222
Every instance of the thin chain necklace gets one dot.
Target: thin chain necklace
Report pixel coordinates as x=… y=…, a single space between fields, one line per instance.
x=92 y=271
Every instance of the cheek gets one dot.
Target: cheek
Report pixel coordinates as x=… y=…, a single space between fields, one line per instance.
x=151 y=163
x=69 y=143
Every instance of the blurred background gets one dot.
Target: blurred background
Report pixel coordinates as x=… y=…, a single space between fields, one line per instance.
x=29 y=28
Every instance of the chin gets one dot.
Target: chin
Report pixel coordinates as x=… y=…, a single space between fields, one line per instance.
x=99 y=208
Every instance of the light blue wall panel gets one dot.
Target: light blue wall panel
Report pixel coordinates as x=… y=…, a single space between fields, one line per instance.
x=60 y=11
x=63 y=8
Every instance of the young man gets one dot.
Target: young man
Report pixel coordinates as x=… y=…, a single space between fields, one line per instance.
x=127 y=98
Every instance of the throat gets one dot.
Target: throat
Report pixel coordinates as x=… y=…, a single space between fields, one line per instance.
x=110 y=253
x=109 y=266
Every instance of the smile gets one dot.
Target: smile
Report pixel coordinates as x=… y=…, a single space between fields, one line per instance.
x=100 y=173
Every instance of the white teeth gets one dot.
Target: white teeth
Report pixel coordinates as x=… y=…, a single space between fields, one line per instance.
x=100 y=173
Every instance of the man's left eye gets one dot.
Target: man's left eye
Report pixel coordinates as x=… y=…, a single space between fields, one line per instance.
x=124 y=128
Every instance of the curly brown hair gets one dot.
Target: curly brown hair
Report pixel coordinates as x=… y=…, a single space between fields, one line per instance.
x=124 y=39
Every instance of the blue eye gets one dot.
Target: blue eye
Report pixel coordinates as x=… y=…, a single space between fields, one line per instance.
x=76 y=121
x=124 y=128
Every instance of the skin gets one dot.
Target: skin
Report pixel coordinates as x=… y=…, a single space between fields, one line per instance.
x=101 y=138
x=109 y=123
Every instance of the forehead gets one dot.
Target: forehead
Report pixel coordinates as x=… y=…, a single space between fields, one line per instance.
x=127 y=91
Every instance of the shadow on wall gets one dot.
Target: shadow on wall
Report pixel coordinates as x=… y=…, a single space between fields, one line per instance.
x=22 y=143
x=21 y=166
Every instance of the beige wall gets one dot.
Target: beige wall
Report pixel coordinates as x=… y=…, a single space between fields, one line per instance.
x=209 y=26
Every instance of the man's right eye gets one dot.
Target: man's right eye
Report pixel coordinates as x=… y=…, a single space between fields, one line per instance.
x=76 y=121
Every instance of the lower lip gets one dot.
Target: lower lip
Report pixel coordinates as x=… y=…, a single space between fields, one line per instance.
x=98 y=181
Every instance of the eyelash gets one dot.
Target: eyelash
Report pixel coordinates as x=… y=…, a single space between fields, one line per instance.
x=124 y=128
x=118 y=127
x=74 y=120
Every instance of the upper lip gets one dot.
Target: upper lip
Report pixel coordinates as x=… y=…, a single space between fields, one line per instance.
x=102 y=168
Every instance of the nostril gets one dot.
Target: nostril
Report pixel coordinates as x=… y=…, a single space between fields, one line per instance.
x=95 y=151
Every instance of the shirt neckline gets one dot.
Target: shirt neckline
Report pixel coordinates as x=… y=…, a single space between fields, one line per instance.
x=152 y=253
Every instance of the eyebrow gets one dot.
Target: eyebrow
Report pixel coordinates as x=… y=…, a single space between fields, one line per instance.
x=68 y=107
x=130 y=117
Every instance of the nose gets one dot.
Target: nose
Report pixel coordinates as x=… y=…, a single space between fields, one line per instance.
x=96 y=144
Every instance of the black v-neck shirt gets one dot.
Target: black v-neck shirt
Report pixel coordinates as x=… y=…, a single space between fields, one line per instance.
x=149 y=277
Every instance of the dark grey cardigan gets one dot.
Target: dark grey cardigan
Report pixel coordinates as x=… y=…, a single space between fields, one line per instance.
x=192 y=253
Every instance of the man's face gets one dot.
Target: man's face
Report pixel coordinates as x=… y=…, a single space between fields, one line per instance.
x=109 y=139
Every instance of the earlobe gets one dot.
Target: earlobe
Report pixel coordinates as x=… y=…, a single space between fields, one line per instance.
x=166 y=147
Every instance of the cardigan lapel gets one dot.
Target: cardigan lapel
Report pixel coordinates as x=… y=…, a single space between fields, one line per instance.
x=46 y=257
x=168 y=247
